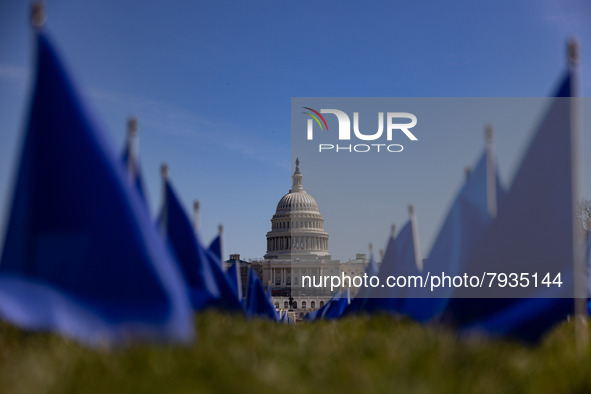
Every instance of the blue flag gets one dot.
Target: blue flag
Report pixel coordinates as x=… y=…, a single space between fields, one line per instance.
x=527 y=319
x=370 y=270
x=230 y=297
x=315 y=315
x=399 y=260
x=319 y=313
x=462 y=228
x=233 y=275
x=357 y=304
x=285 y=318
x=335 y=307
x=215 y=248
x=534 y=227
x=257 y=302
x=81 y=256
x=207 y=283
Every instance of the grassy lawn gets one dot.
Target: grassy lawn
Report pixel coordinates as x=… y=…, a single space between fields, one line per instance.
x=232 y=354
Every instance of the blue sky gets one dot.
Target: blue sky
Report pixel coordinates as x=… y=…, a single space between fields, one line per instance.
x=211 y=82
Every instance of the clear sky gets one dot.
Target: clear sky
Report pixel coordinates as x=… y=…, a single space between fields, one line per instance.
x=211 y=82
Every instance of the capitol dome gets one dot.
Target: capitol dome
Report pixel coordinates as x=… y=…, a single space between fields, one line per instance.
x=297 y=227
x=299 y=200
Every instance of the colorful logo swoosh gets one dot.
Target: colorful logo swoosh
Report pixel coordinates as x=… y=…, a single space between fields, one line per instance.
x=316 y=118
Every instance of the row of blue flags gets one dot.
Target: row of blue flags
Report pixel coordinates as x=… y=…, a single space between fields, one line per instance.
x=82 y=256
x=528 y=226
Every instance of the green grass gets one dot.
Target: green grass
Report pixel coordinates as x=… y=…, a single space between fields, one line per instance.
x=232 y=354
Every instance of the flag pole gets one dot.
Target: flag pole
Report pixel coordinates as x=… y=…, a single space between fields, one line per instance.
x=239 y=279
x=415 y=236
x=131 y=148
x=370 y=256
x=491 y=176
x=467 y=172
x=221 y=232
x=196 y=215
x=164 y=219
x=580 y=275
x=38 y=16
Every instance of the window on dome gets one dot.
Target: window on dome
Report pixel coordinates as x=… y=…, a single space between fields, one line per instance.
x=321 y=304
x=313 y=305
x=285 y=304
x=303 y=304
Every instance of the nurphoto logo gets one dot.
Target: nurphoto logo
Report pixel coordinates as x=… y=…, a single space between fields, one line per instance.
x=393 y=126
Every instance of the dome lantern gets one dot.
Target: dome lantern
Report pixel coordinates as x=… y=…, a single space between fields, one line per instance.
x=297 y=179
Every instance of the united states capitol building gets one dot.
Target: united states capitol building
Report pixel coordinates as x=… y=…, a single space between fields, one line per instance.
x=297 y=246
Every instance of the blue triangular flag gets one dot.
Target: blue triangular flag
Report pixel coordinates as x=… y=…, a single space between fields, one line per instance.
x=230 y=297
x=215 y=248
x=371 y=270
x=208 y=285
x=399 y=260
x=463 y=227
x=534 y=230
x=257 y=301
x=357 y=304
x=333 y=309
x=81 y=256
x=285 y=318
x=315 y=315
x=233 y=275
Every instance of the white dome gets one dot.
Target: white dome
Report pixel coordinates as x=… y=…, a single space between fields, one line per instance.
x=297 y=201
x=297 y=227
